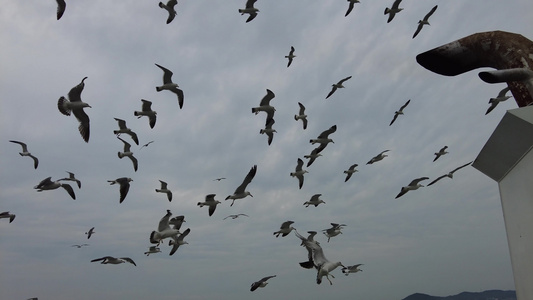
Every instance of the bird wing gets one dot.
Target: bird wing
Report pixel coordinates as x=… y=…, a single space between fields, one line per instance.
x=343 y=80
x=74 y=95
x=430 y=13
x=179 y=93
x=146 y=106
x=121 y=123
x=102 y=258
x=210 y=198
x=492 y=106
x=135 y=162
x=417 y=180
x=167 y=75
x=396 y=4
x=286 y=224
x=24 y=147
x=128 y=260
x=405 y=105
x=460 y=167
x=326 y=133
x=352 y=167
x=315 y=197
x=266 y=99
x=164 y=222
x=333 y=89
x=247 y=180
x=251 y=17
x=299 y=165
x=267 y=278
x=302 y=109
x=393 y=119
x=503 y=92
x=69 y=190
x=350 y=7
x=250 y=3
x=212 y=209
x=438 y=178
x=418 y=29
x=163 y=185
x=35 y=161
x=124 y=188
x=300 y=181
x=61 y=5
x=127 y=146
x=83 y=119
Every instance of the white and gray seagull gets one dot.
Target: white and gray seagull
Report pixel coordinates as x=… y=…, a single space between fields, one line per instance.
x=211 y=202
x=127 y=152
x=165 y=190
x=393 y=10
x=413 y=185
x=378 y=157
x=337 y=85
x=351 y=269
x=90 y=233
x=124 y=183
x=265 y=106
x=47 y=184
x=146 y=145
x=425 y=21
x=334 y=230
x=284 y=229
x=315 y=200
x=146 y=110
x=7 y=215
x=124 y=129
x=114 y=260
x=500 y=98
x=152 y=250
x=268 y=130
x=290 y=57
x=299 y=172
x=441 y=152
x=260 y=283
x=314 y=154
x=169 y=7
x=169 y=85
x=25 y=152
x=322 y=264
x=399 y=112
x=350 y=171
x=324 y=138
x=449 y=174
x=76 y=106
x=163 y=230
x=301 y=115
x=241 y=192
x=176 y=242
x=233 y=217
x=71 y=177
x=250 y=10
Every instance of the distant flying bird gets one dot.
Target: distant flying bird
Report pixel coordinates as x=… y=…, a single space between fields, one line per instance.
x=169 y=7
x=500 y=98
x=7 y=215
x=399 y=112
x=250 y=10
x=413 y=185
x=165 y=190
x=337 y=85
x=393 y=10
x=219 y=179
x=351 y=269
x=265 y=106
x=268 y=130
x=124 y=183
x=334 y=230
x=146 y=145
x=441 y=152
x=124 y=129
x=152 y=250
x=284 y=229
x=260 y=283
x=315 y=200
x=127 y=152
x=90 y=233
x=350 y=6
x=235 y=216
x=301 y=115
x=26 y=153
x=47 y=184
x=146 y=110
x=299 y=172
x=176 y=242
x=350 y=171
x=450 y=174
x=114 y=260
x=290 y=56
x=71 y=177
x=169 y=85
x=378 y=157
x=163 y=230
x=75 y=105
x=314 y=155
x=211 y=202
x=79 y=246
x=423 y=22
x=61 y=6
x=241 y=192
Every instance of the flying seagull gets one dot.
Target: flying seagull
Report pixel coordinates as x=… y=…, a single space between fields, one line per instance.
x=268 y=130
x=114 y=260
x=450 y=174
x=249 y=9
x=322 y=264
x=315 y=200
x=323 y=138
x=261 y=283
x=423 y=22
x=146 y=145
x=378 y=157
x=235 y=216
x=165 y=190
x=241 y=192
x=290 y=56
x=413 y=185
x=314 y=154
x=170 y=8
x=79 y=246
x=124 y=183
x=306 y=242
x=176 y=242
x=152 y=250
x=90 y=233
x=169 y=85
x=299 y=172
x=500 y=98
x=7 y=215
x=265 y=106
x=351 y=269
x=219 y=179
x=211 y=202
x=399 y=112
x=47 y=184
x=127 y=152
x=441 y=152
x=26 y=153
x=61 y=6
x=350 y=171
x=163 y=230
x=284 y=229
x=146 y=110
x=350 y=6
x=75 y=105
x=124 y=129
x=337 y=85
x=71 y=177
x=334 y=230
x=393 y=10
x=301 y=115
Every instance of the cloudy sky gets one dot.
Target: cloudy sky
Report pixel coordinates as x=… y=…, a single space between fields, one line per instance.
x=440 y=240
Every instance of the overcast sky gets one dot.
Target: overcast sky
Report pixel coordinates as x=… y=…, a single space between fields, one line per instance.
x=440 y=240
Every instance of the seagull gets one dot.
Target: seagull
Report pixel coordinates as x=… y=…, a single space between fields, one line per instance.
x=235 y=216
x=301 y=115
x=306 y=242
x=114 y=260
x=26 y=153
x=441 y=152
x=7 y=215
x=249 y=9
x=127 y=152
x=176 y=242
x=393 y=10
x=350 y=171
x=268 y=130
x=337 y=85
x=152 y=250
x=261 y=283
x=290 y=56
x=146 y=145
x=334 y=230
x=350 y=6
x=146 y=110
x=299 y=173
x=413 y=185
x=265 y=106
x=450 y=174
x=169 y=85
x=48 y=184
x=170 y=8
x=79 y=246
x=163 y=230
x=241 y=192
x=219 y=179
x=323 y=138
x=322 y=264
x=314 y=154
x=351 y=269
x=211 y=202
x=164 y=189
x=423 y=22
x=124 y=129
x=124 y=183
x=90 y=233
x=284 y=229
x=176 y=222
x=500 y=98
x=378 y=157
x=72 y=178
x=61 y=6
x=314 y=200
x=399 y=112
x=75 y=105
